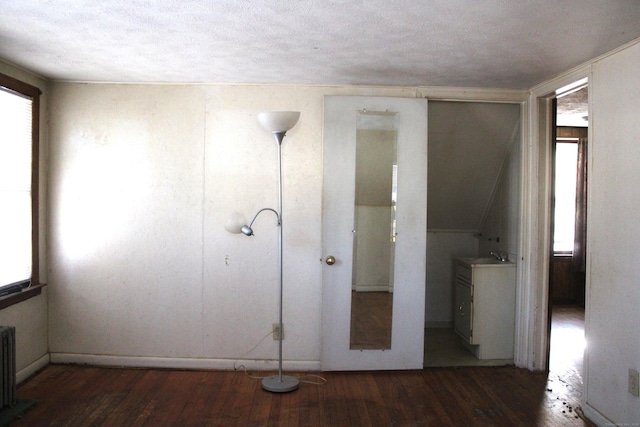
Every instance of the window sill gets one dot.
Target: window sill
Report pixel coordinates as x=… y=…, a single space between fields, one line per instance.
x=563 y=255
x=25 y=294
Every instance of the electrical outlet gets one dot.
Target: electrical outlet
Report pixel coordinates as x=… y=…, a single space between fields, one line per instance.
x=634 y=383
x=277 y=331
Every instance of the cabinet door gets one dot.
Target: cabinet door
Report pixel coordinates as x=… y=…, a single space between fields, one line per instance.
x=463 y=323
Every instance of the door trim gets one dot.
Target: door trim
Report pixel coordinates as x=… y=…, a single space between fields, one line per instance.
x=532 y=337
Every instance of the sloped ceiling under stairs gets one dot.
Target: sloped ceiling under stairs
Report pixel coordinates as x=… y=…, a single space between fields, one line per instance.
x=468 y=145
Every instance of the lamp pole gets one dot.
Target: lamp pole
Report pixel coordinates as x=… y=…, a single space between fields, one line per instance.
x=279 y=136
x=280 y=383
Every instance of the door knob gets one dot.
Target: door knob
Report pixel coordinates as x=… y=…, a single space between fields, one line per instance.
x=330 y=260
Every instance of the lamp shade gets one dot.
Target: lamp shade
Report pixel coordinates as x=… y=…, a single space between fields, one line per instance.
x=278 y=121
x=235 y=223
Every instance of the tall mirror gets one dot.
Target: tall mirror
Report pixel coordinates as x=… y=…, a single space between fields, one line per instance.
x=374 y=230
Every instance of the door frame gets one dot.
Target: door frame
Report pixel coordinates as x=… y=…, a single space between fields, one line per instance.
x=525 y=305
x=534 y=340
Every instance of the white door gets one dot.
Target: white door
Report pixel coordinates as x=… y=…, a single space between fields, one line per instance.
x=408 y=117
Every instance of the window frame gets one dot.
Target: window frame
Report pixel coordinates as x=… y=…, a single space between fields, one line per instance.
x=560 y=140
x=24 y=89
x=563 y=134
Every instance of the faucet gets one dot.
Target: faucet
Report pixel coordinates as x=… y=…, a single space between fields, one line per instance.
x=500 y=256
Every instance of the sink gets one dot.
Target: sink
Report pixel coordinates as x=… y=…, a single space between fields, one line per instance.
x=484 y=261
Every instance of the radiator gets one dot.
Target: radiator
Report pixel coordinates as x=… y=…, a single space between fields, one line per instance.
x=8 y=365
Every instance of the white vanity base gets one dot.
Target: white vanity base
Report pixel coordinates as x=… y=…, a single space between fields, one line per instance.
x=485 y=306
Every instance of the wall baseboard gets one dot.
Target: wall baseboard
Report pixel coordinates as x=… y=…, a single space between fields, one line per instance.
x=595 y=416
x=32 y=368
x=366 y=288
x=438 y=325
x=182 y=363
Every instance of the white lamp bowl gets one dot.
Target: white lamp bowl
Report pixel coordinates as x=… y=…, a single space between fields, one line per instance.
x=235 y=222
x=278 y=121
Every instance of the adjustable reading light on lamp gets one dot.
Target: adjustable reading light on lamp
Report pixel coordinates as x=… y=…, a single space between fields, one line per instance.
x=278 y=123
x=248 y=231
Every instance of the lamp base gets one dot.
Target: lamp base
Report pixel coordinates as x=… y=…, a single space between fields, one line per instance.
x=275 y=385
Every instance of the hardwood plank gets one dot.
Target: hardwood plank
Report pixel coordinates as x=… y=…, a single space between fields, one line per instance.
x=196 y=408
x=459 y=406
x=335 y=404
x=434 y=404
x=310 y=410
x=230 y=401
x=372 y=394
x=480 y=396
x=259 y=408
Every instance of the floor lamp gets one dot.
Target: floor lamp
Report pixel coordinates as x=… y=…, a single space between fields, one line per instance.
x=278 y=123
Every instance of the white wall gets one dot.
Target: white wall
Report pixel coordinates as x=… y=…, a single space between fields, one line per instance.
x=143 y=178
x=30 y=320
x=613 y=238
x=30 y=316
x=442 y=248
x=503 y=217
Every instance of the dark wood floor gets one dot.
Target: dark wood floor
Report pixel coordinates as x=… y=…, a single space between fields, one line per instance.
x=470 y=396
x=91 y=396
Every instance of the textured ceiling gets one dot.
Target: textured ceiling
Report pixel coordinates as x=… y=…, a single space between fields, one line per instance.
x=491 y=43
x=573 y=109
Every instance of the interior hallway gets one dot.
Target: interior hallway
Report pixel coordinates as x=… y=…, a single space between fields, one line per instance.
x=566 y=355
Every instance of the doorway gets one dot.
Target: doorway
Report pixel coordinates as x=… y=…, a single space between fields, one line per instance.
x=473 y=181
x=566 y=304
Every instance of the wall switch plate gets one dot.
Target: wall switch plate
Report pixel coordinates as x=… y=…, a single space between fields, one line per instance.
x=634 y=383
x=277 y=331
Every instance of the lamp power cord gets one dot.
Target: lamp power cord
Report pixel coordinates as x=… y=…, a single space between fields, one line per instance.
x=307 y=379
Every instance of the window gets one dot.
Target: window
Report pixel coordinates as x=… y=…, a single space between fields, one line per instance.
x=19 y=136
x=565 y=197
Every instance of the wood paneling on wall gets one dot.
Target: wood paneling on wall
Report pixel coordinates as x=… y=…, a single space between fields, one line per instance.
x=567 y=285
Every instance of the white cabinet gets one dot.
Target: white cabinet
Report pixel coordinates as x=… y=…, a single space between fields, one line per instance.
x=485 y=306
